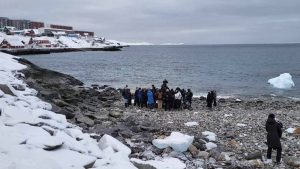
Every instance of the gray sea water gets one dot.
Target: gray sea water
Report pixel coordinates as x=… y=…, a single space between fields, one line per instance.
x=231 y=70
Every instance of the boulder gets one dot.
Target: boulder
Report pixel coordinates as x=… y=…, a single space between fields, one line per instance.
x=58 y=110
x=84 y=119
x=202 y=98
x=49 y=95
x=52 y=147
x=254 y=155
x=19 y=87
x=143 y=166
x=193 y=150
x=6 y=90
x=203 y=154
x=222 y=100
x=115 y=114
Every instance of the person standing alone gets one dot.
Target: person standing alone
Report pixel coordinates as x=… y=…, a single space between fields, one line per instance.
x=273 y=138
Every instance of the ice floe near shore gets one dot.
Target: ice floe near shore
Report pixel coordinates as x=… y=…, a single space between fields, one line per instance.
x=283 y=81
x=178 y=141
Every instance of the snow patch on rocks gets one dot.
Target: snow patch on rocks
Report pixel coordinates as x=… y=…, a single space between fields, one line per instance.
x=190 y=124
x=209 y=135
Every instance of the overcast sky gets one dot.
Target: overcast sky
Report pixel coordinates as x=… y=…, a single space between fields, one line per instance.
x=163 y=21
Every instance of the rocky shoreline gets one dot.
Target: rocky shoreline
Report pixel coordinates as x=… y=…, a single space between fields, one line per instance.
x=237 y=123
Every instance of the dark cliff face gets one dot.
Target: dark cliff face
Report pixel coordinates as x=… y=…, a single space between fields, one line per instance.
x=67 y=95
x=46 y=77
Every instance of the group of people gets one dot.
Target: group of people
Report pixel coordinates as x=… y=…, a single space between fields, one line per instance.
x=169 y=99
x=160 y=98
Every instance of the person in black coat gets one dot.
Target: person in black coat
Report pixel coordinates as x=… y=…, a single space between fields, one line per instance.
x=273 y=137
x=209 y=99
x=136 y=97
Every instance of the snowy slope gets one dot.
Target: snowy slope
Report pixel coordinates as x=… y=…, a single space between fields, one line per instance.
x=32 y=136
x=29 y=129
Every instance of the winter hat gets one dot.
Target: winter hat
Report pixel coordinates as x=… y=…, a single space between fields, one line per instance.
x=271 y=116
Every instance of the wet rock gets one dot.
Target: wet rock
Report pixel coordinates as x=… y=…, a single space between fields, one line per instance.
x=259 y=101
x=58 y=110
x=115 y=114
x=203 y=154
x=156 y=150
x=90 y=165
x=200 y=144
x=142 y=166
x=216 y=154
x=52 y=147
x=202 y=98
x=222 y=100
x=254 y=155
x=19 y=87
x=292 y=161
x=6 y=90
x=48 y=95
x=84 y=119
x=251 y=164
x=167 y=150
x=193 y=150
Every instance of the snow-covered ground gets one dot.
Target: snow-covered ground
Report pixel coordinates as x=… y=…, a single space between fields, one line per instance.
x=32 y=136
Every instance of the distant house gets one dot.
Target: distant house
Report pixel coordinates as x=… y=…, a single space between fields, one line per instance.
x=11 y=43
x=41 y=42
x=31 y=32
x=9 y=30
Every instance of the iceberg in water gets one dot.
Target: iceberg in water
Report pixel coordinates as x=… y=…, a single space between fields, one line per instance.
x=284 y=81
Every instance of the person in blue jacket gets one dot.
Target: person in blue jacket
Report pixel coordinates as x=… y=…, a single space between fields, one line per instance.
x=150 y=99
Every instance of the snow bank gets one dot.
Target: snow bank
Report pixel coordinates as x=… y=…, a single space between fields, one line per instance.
x=179 y=142
x=189 y=124
x=209 y=135
x=165 y=163
x=284 y=81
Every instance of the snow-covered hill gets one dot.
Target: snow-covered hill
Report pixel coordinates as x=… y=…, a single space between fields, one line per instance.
x=34 y=137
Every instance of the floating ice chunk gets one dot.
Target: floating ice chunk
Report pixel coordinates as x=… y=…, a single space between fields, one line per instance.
x=290 y=130
x=179 y=142
x=209 y=135
x=241 y=125
x=116 y=145
x=283 y=81
x=165 y=163
x=189 y=124
x=210 y=145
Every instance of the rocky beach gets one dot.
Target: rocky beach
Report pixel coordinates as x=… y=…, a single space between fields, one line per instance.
x=231 y=135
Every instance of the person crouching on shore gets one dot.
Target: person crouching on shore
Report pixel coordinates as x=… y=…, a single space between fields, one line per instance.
x=273 y=138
